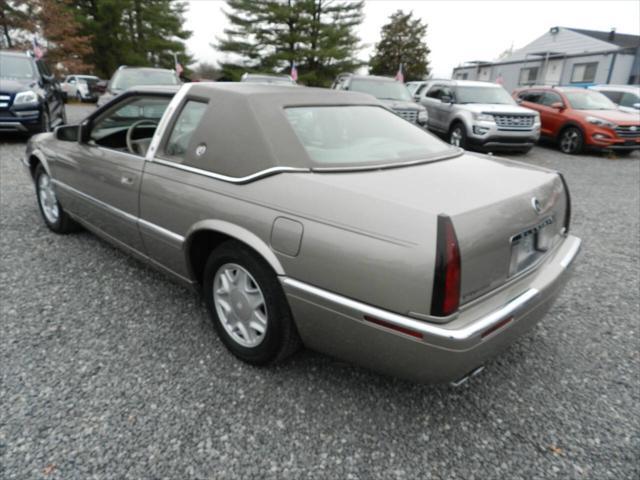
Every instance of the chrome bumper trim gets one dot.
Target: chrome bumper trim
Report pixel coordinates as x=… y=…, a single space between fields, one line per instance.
x=12 y=126
x=571 y=254
x=426 y=329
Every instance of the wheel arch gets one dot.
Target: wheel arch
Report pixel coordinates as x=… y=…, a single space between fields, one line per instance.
x=203 y=237
x=569 y=124
x=34 y=159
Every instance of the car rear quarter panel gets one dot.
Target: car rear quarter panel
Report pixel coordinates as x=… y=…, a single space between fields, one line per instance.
x=340 y=252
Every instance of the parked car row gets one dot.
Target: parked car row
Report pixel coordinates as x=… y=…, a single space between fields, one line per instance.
x=482 y=115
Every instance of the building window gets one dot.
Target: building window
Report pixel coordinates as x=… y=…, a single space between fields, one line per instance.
x=528 y=75
x=584 y=72
x=462 y=76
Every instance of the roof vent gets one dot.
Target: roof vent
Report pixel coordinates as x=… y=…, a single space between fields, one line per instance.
x=554 y=30
x=612 y=34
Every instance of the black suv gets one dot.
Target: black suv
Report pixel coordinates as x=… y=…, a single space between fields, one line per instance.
x=30 y=98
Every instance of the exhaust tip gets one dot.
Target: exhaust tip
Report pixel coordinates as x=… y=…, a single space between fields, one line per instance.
x=461 y=381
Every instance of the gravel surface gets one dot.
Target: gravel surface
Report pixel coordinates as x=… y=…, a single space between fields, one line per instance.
x=109 y=370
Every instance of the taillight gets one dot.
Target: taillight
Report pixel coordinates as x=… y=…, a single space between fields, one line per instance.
x=446 y=281
x=567 y=214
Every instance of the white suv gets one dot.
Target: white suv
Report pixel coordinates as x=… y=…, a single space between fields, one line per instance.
x=479 y=115
x=627 y=97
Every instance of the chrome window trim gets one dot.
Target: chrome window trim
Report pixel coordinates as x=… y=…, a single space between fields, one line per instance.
x=430 y=331
x=254 y=176
x=121 y=213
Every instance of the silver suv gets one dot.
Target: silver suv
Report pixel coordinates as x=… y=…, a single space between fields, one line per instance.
x=390 y=92
x=479 y=115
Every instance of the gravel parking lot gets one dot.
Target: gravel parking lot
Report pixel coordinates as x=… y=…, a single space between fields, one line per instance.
x=109 y=370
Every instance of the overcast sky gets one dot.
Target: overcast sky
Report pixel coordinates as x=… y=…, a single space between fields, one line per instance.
x=458 y=30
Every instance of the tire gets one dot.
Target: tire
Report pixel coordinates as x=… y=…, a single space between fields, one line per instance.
x=241 y=290
x=54 y=216
x=622 y=153
x=571 y=141
x=458 y=135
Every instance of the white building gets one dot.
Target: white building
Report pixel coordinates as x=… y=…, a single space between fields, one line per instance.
x=563 y=56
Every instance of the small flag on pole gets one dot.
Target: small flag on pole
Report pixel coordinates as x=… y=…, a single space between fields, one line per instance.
x=179 y=68
x=37 y=50
x=399 y=75
x=294 y=72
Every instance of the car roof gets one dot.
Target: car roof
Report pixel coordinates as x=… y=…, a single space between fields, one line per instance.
x=150 y=69
x=468 y=83
x=616 y=88
x=15 y=53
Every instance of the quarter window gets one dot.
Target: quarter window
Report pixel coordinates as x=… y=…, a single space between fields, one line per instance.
x=183 y=129
x=584 y=72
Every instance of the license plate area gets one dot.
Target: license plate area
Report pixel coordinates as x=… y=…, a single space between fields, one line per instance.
x=530 y=246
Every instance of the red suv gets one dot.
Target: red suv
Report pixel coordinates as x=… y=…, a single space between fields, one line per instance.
x=578 y=118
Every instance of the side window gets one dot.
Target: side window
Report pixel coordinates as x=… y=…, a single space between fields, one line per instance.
x=629 y=100
x=183 y=128
x=549 y=98
x=533 y=97
x=110 y=130
x=435 y=92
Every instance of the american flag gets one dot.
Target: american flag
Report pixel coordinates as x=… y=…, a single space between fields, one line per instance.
x=399 y=75
x=37 y=51
x=179 y=68
x=294 y=72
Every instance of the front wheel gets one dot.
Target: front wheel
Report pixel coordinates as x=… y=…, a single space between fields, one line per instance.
x=247 y=305
x=458 y=136
x=571 y=141
x=54 y=216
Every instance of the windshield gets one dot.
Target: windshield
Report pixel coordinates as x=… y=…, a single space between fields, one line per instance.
x=134 y=78
x=383 y=90
x=14 y=67
x=483 y=95
x=589 y=100
x=360 y=136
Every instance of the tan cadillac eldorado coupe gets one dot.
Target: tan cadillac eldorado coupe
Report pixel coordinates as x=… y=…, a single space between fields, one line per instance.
x=319 y=218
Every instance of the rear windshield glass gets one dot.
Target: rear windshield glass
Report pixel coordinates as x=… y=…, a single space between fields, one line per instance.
x=135 y=78
x=360 y=136
x=382 y=89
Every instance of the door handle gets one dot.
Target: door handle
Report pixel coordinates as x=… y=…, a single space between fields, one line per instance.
x=126 y=180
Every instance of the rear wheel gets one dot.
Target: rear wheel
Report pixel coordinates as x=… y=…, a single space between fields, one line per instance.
x=247 y=305
x=571 y=141
x=54 y=216
x=458 y=136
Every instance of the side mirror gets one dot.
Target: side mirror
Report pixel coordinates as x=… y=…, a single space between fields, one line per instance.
x=67 y=133
x=446 y=99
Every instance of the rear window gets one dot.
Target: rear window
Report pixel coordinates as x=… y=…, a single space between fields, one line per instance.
x=360 y=136
x=135 y=78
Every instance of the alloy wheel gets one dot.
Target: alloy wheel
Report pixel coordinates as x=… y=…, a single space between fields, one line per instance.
x=570 y=141
x=456 y=137
x=240 y=305
x=47 y=198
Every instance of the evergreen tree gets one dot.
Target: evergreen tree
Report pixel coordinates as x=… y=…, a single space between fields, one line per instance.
x=402 y=42
x=271 y=35
x=133 y=32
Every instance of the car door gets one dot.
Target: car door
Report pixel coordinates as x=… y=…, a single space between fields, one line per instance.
x=431 y=101
x=101 y=176
x=551 y=117
x=533 y=99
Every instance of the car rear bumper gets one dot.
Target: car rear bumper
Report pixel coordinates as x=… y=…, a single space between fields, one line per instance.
x=420 y=351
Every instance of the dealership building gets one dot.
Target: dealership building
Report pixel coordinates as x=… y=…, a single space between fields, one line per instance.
x=563 y=56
